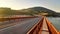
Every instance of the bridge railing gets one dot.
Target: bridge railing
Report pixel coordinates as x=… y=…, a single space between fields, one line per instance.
x=36 y=29
x=6 y=21
x=51 y=28
x=10 y=18
x=14 y=19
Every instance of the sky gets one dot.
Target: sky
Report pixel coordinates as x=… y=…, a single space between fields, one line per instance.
x=23 y=4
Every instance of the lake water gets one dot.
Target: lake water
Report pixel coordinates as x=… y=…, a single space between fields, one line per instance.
x=55 y=21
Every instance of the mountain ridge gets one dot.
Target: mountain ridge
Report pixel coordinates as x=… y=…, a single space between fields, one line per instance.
x=30 y=11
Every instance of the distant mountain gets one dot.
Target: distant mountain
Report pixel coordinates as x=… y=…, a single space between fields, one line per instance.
x=29 y=11
x=40 y=10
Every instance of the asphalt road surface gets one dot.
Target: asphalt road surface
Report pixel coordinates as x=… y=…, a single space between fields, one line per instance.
x=22 y=27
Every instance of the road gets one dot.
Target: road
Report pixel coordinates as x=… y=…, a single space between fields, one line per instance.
x=21 y=27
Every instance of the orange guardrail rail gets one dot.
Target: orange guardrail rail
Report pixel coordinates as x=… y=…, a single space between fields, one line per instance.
x=13 y=18
x=51 y=28
x=59 y=32
x=36 y=29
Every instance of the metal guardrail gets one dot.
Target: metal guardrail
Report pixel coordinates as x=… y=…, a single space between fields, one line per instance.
x=13 y=18
x=51 y=28
x=36 y=29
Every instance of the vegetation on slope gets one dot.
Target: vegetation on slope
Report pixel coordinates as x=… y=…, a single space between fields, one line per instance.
x=30 y=11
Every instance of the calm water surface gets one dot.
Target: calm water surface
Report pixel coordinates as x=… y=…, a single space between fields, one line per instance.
x=55 y=21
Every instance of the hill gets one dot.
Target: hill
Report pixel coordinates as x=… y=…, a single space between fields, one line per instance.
x=40 y=11
x=29 y=11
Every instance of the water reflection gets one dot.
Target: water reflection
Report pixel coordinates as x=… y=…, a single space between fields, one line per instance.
x=55 y=21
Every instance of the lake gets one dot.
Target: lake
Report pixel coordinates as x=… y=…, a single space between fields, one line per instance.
x=55 y=21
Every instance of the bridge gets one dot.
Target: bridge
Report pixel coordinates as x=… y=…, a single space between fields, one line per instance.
x=27 y=25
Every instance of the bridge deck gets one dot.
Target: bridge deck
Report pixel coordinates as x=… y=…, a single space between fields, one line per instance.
x=23 y=26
